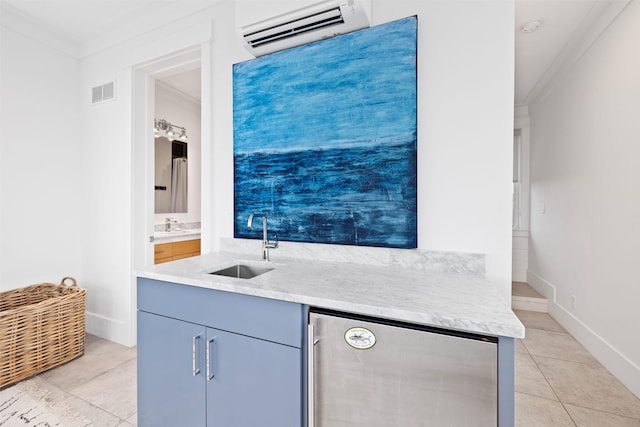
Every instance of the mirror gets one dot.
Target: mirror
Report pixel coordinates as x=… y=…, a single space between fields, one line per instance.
x=171 y=176
x=176 y=113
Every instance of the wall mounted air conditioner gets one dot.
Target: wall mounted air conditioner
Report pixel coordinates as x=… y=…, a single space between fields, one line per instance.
x=312 y=23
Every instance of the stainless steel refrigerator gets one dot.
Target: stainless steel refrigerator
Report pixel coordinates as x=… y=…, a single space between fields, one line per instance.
x=369 y=372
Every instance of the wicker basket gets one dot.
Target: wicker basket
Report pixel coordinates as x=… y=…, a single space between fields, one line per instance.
x=41 y=326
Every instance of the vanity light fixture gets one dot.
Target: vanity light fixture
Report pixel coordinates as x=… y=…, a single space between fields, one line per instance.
x=162 y=125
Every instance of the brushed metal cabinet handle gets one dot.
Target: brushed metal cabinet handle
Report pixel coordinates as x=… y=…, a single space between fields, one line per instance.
x=210 y=373
x=194 y=355
x=310 y=384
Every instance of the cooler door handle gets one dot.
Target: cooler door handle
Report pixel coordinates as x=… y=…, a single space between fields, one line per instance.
x=310 y=382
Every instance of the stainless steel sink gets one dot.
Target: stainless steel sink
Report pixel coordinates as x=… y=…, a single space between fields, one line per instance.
x=241 y=271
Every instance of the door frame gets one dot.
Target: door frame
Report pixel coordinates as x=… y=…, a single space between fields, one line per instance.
x=143 y=156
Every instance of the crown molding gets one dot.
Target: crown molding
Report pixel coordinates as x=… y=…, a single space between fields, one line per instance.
x=172 y=17
x=600 y=17
x=178 y=93
x=14 y=20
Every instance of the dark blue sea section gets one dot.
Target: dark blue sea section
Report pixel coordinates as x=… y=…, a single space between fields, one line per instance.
x=364 y=195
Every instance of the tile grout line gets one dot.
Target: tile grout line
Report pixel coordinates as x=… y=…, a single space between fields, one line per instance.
x=563 y=403
x=595 y=363
x=568 y=413
x=93 y=379
x=548 y=383
x=554 y=392
x=550 y=387
x=69 y=393
x=601 y=411
x=99 y=408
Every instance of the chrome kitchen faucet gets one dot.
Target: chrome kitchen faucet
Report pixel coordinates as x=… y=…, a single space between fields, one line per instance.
x=266 y=244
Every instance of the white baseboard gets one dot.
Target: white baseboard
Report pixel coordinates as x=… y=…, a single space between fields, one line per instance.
x=624 y=369
x=541 y=285
x=108 y=329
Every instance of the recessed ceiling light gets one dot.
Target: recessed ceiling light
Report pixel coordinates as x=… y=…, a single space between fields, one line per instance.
x=530 y=26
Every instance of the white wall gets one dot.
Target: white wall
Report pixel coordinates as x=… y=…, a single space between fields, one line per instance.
x=584 y=169
x=520 y=255
x=183 y=111
x=40 y=224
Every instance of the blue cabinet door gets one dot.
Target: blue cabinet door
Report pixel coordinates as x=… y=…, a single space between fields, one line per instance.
x=170 y=391
x=253 y=382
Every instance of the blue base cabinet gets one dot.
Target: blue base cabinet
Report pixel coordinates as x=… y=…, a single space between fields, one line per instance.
x=252 y=383
x=168 y=392
x=213 y=358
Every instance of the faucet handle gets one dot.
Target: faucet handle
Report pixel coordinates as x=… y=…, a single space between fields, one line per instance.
x=272 y=245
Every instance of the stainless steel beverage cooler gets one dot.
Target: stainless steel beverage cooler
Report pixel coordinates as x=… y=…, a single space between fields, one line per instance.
x=370 y=372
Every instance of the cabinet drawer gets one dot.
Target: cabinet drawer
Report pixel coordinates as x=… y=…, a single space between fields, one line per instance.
x=268 y=319
x=186 y=247
x=163 y=250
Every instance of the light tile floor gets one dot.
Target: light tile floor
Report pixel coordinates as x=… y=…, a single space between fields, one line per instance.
x=557 y=382
x=101 y=384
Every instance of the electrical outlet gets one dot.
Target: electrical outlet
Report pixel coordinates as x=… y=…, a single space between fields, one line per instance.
x=543 y=208
x=573 y=302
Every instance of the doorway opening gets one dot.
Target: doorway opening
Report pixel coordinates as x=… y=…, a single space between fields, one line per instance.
x=175 y=89
x=177 y=163
x=177 y=132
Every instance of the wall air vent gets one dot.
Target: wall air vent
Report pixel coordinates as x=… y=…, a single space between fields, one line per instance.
x=103 y=93
x=316 y=22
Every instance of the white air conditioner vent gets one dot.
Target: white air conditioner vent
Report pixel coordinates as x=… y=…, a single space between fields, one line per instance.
x=103 y=93
x=306 y=25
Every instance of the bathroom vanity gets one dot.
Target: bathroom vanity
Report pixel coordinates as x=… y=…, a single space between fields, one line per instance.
x=172 y=251
x=215 y=350
x=175 y=243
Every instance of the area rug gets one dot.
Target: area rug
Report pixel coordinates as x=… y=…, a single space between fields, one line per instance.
x=26 y=404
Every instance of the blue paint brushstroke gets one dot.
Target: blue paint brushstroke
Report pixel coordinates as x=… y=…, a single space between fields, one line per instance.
x=325 y=139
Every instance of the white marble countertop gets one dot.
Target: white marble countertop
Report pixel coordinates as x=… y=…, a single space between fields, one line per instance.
x=453 y=301
x=176 y=235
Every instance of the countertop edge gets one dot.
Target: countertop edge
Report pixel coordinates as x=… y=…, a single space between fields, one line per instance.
x=176 y=238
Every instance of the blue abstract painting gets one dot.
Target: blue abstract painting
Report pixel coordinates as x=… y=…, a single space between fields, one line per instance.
x=325 y=140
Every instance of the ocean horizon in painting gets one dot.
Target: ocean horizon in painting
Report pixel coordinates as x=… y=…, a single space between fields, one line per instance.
x=325 y=140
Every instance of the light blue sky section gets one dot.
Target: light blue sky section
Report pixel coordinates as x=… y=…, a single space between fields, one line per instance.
x=352 y=89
